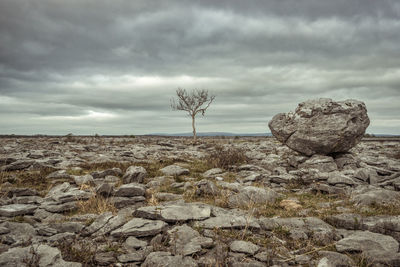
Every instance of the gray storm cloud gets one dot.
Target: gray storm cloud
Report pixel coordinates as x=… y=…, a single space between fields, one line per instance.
x=112 y=67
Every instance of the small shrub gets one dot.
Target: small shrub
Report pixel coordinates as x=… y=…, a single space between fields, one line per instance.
x=225 y=158
x=82 y=251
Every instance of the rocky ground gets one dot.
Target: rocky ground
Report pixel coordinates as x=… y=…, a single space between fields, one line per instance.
x=153 y=201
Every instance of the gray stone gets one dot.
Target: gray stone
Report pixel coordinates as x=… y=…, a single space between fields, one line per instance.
x=38 y=255
x=250 y=263
x=229 y=221
x=388 y=225
x=134 y=243
x=105 y=189
x=59 y=208
x=111 y=179
x=212 y=172
x=338 y=178
x=372 y=195
x=206 y=188
x=250 y=195
x=365 y=174
x=41 y=214
x=252 y=178
x=174 y=170
x=112 y=224
x=130 y=190
x=362 y=241
x=164 y=196
x=346 y=161
x=264 y=256
x=4 y=230
x=320 y=162
x=45 y=230
x=175 y=213
x=131 y=257
x=84 y=179
x=165 y=259
x=187 y=241
x=61 y=174
x=57 y=239
x=347 y=221
x=324 y=188
x=140 y=227
x=27 y=200
x=122 y=202
x=64 y=192
x=381 y=258
x=97 y=224
x=19 y=233
x=109 y=172
x=244 y=247
x=321 y=126
x=282 y=179
x=105 y=258
x=180 y=237
x=302 y=228
x=21 y=191
x=334 y=259
x=17 y=210
x=134 y=174
x=19 y=165
x=71 y=227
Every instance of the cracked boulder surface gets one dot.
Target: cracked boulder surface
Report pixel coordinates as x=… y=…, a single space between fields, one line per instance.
x=321 y=126
x=109 y=201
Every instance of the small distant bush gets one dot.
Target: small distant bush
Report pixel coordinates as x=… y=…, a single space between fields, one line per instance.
x=70 y=138
x=226 y=157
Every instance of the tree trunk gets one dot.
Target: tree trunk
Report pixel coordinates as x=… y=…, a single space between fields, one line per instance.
x=194 y=128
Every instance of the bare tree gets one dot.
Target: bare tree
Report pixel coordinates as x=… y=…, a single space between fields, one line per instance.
x=194 y=102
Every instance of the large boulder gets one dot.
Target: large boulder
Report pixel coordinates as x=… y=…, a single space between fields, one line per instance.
x=321 y=126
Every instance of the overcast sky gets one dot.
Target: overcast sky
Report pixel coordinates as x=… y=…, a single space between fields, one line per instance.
x=111 y=67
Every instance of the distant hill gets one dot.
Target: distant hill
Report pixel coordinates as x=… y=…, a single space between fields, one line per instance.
x=212 y=134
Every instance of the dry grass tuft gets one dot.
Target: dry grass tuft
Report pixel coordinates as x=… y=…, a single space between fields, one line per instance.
x=31 y=179
x=76 y=250
x=96 y=204
x=226 y=157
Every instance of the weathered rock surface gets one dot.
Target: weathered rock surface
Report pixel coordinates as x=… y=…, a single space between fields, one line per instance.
x=174 y=170
x=175 y=213
x=244 y=247
x=250 y=195
x=365 y=196
x=207 y=217
x=229 y=221
x=41 y=255
x=134 y=174
x=321 y=126
x=365 y=241
x=130 y=190
x=161 y=259
x=17 y=210
x=140 y=227
x=187 y=241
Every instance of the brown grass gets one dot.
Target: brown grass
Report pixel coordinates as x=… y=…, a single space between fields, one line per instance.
x=96 y=204
x=226 y=157
x=77 y=250
x=27 y=179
